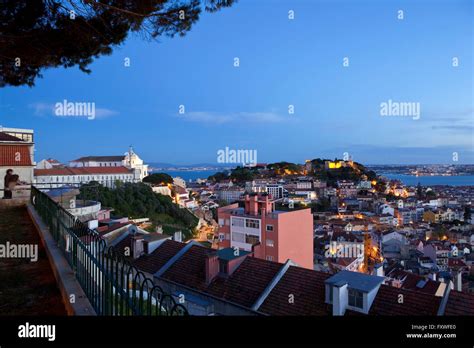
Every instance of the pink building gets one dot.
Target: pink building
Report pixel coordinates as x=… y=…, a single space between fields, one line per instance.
x=272 y=235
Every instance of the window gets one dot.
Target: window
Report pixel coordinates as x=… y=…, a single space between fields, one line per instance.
x=227 y=222
x=221 y=237
x=270 y=243
x=269 y=258
x=238 y=237
x=252 y=223
x=269 y=227
x=356 y=298
x=237 y=222
x=221 y=222
x=250 y=239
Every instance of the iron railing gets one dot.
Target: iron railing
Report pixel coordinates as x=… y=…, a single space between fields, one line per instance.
x=112 y=285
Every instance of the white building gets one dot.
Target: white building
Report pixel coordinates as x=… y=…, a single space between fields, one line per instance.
x=231 y=194
x=276 y=190
x=129 y=160
x=106 y=170
x=97 y=161
x=179 y=182
x=107 y=176
x=132 y=161
x=162 y=190
x=48 y=164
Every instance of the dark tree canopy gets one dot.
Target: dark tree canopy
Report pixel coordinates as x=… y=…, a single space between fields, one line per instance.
x=137 y=200
x=218 y=177
x=40 y=34
x=158 y=179
x=241 y=174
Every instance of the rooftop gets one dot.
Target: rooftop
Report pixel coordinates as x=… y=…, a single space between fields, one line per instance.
x=100 y=159
x=82 y=171
x=414 y=302
x=230 y=254
x=459 y=303
x=355 y=280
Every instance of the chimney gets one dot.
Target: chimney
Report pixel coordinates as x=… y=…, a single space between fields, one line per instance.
x=378 y=270
x=251 y=204
x=396 y=283
x=257 y=251
x=137 y=246
x=212 y=267
x=458 y=279
x=178 y=236
x=340 y=298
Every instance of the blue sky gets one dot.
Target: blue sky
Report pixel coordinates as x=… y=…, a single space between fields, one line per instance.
x=282 y=62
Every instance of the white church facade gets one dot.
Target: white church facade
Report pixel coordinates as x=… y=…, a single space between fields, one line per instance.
x=106 y=170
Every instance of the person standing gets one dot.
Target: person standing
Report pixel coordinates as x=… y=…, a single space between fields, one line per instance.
x=14 y=180
x=7 y=193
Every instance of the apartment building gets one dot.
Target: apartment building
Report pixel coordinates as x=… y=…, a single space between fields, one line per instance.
x=273 y=235
x=230 y=194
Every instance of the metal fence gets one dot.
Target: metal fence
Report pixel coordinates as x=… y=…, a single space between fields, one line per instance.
x=112 y=285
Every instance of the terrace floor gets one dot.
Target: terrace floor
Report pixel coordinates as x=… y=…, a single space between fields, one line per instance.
x=26 y=288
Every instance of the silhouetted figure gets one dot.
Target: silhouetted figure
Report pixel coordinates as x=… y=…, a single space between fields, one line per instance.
x=7 y=193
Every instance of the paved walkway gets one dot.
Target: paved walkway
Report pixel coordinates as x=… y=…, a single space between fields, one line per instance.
x=26 y=288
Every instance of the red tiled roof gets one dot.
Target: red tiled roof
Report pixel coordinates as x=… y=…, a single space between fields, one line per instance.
x=410 y=281
x=414 y=302
x=107 y=229
x=180 y=190
x=100 y=159
x=459 y=303
x=247 y=283
x=190 y=269
x=243 y=287
x=52 y=160
x=308 y=290
x=15 y=155
x=343 y=261
x=456 y=263
x=124 y=243
x=82 y=171
x=157 y=259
